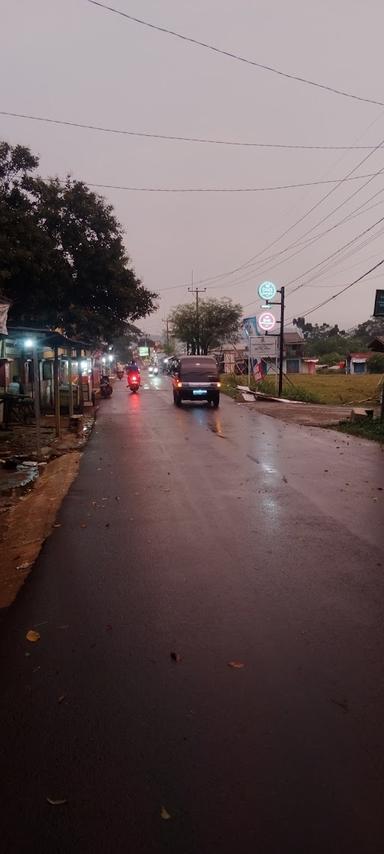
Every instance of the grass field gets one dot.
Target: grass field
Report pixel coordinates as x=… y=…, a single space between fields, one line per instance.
x=367 y=429
x=326 y=388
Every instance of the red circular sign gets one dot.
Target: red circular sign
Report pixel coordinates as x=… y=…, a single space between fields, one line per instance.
x=266 y=321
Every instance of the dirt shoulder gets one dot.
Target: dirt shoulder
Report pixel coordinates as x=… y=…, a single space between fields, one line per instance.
x=307 y=414
x=29 y=522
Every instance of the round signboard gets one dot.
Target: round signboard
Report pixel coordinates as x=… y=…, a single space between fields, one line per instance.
x=266 y=321
x=267 y=290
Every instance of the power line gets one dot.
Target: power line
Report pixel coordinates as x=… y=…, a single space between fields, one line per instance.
x=334 y=296
x=237 y=57
x=302 y=246
x=193 y=139
x=333 y=254
x=356 y=212
x=250 y=262
x=342 y=291
x=271 y=188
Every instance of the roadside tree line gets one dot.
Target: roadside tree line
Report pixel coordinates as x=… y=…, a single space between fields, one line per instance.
x=63 y=262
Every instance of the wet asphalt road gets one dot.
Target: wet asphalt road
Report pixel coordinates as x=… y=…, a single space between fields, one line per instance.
x=220 y=536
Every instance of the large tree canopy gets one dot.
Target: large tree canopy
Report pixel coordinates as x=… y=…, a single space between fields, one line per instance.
x=62 y=257
x=216 y=322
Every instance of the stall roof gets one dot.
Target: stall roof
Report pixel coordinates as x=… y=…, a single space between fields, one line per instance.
x=48 y=337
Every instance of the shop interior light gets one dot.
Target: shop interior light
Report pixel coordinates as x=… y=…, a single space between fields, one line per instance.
x=29 y=343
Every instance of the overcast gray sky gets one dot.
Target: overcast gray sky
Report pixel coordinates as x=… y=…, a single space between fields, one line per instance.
x=74 y=61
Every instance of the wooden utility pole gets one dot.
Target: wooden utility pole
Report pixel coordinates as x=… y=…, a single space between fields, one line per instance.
x=197 y=291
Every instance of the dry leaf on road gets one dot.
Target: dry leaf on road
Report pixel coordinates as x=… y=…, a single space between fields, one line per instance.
x=164 y=814
x=237 y=665
x=57 y=802
x=32 y=636
x=176 y=657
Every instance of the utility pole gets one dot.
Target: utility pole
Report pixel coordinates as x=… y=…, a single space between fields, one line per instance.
x=166 y=321
x=282 y=307
x=197 y=291
x=36 y=399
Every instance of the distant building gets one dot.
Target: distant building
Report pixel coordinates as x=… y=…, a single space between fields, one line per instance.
x=357 y=363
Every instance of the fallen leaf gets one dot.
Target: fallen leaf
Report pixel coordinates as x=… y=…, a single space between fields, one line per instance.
x=237 y=665
x=285 y=479
x=32 y=636
x=57 y=525
x=176 y=657
x=83 y=525
x=117 y=498
x=35 y=669
x=107 y=524
x=164 y=814
x=108 y=627
x=60 y=700
x=57 y=802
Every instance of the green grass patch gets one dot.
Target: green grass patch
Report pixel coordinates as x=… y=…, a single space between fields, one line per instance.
x=369 y=429
x=337 y=389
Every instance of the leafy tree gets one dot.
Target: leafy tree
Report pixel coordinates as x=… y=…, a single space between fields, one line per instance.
x=375 y=364
x=218 y=321
x=332 y=358
x=62 y=258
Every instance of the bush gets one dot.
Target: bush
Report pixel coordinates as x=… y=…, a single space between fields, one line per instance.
x=375 y=364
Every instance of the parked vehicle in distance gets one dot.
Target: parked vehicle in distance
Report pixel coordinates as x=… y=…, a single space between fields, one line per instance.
x=196 y=378
x=105 y=386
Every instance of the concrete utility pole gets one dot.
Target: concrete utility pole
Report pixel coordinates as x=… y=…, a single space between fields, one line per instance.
x=197 y=291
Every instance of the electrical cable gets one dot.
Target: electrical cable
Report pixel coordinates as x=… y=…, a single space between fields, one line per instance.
x=271 y=188
x=193 y=139
x=231 y=55
x=342 y=291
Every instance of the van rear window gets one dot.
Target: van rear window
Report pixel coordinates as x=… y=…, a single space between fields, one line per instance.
x=199 y=370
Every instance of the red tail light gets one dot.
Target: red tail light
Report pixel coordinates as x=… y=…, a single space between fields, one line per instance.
x=133 y=379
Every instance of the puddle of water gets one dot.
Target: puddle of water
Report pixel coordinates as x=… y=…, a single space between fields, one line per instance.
x=20 y=477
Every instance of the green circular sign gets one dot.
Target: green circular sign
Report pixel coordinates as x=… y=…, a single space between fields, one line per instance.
x=267 y=290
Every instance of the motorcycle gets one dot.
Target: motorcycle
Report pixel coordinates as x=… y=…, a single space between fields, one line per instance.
x=133 y=381
x=105 y=387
